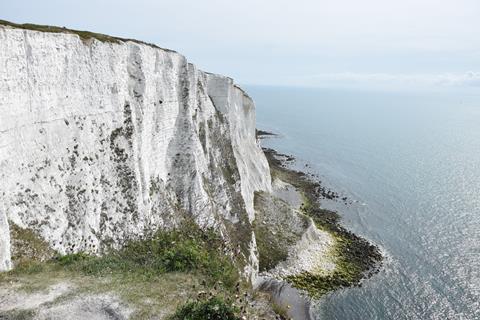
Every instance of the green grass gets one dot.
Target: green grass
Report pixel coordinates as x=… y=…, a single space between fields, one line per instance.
x=185 y=249
x=155 y=275
x=149 y=297
x=280 y=310
x=17 y=315
x=213 y=308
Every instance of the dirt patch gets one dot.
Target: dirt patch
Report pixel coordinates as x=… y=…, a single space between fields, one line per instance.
x=14 y=298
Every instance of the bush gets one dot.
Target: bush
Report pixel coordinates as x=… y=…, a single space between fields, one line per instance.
x=214 y=308
x=186 y=249
x=70 y=259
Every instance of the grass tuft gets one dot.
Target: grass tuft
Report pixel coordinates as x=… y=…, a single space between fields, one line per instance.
x=214 y=308
x=71 y=259
x=17 y=315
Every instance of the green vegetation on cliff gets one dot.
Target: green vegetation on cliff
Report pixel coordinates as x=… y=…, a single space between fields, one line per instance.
x=169 y=268
x=185 y=249
x=214 y=308
x=84 y=35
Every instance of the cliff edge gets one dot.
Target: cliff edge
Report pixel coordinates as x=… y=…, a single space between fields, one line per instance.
x=134 y=186
x=103 y=140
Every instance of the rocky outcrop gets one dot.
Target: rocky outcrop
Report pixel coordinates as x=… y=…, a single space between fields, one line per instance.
x=104 y=141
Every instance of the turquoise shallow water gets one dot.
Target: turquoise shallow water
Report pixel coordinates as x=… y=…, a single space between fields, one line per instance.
x=410 y=162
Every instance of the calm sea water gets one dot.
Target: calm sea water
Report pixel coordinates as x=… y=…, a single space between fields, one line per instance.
x=411 y=164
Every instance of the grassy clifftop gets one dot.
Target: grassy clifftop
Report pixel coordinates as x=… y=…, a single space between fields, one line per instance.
x=84 y=35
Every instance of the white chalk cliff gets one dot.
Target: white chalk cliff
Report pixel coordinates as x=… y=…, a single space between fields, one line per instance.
x=101 y=142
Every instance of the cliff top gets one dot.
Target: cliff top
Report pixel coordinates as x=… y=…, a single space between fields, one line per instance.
x=85 y=35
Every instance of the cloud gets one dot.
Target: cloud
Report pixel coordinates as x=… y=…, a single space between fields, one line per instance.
x=468 y=79
x=271 y=40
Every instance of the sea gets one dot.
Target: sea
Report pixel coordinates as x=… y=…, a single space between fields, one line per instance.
x=409 y=164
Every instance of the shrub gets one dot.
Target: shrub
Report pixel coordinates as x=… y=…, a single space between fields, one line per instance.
x=70 y=259
x=185 y=249
x=214 y=308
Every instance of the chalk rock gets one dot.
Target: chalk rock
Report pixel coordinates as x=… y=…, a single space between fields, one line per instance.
x=101 y=142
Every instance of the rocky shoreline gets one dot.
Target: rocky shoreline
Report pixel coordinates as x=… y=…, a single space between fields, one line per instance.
x=355 y=258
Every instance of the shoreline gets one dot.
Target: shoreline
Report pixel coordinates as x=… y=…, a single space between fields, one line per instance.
x=355 y=257
x=310 y=256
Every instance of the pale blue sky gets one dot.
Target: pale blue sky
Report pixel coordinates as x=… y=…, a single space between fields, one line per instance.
x=301 y=42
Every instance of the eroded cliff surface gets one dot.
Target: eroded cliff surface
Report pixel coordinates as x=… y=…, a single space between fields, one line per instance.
x=101 y=142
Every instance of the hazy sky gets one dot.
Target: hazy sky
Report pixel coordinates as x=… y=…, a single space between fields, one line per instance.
x=296 y=42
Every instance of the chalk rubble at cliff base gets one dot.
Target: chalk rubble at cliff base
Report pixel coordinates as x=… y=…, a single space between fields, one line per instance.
x=314 y=253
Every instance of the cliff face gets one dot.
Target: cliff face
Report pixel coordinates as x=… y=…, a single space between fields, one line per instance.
x=101 y=142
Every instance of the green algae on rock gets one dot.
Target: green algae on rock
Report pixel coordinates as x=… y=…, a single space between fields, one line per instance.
x=354 y=257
